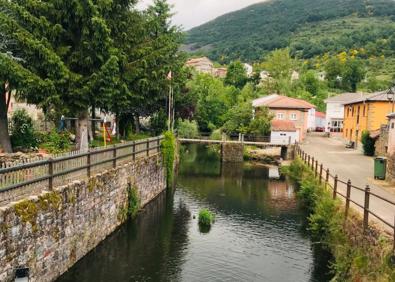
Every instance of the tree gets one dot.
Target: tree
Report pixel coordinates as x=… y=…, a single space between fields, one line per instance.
x=334 y=71
x=236 y=75
x=279 y=64
x=311 y=82
x=66 y=49
x=354 y=73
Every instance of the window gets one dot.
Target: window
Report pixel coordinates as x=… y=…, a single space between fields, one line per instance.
x=280 y=116
x=392 y=125
x=364 y=110
x=293 y=116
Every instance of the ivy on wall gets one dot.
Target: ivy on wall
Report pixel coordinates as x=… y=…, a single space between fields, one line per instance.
x=168 y=148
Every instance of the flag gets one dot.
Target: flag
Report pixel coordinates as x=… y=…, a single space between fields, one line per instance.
x=169 y=75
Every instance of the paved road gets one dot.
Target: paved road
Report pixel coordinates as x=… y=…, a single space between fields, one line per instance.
x=351 y=164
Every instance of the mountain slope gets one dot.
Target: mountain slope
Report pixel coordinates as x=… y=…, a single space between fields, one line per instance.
x=250 y=32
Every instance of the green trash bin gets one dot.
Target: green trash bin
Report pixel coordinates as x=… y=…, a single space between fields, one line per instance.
x=380 y=167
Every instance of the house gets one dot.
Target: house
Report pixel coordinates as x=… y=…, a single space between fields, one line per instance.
x=391 y=134
x=220 y=72
x=366 y=113
x=286 y=108
x=249 y=69
x=264 y=75
x=295 y=75
x=283 y=132
x=34 y=112
x=320 y=121
x=201 y=65
x=335 y=110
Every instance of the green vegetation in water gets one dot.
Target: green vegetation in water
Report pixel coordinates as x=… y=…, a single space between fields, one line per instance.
x=133 y=201
x=206 y=217
x=168 y=148
x=358 y=257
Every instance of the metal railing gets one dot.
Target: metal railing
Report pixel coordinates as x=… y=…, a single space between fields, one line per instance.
x=29 y=178
x=333 y=182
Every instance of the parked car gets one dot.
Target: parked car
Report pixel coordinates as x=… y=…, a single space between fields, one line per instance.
x=319 y=129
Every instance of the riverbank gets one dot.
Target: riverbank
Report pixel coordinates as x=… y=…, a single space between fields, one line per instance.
x=359 y=255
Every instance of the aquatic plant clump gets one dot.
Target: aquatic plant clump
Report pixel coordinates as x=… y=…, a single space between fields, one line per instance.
x=206 y=217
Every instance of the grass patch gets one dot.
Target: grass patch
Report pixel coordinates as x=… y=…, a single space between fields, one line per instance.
x=206 y=217
x=357 y=256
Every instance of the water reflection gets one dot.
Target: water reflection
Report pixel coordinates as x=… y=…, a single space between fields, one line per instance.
x=257 y=235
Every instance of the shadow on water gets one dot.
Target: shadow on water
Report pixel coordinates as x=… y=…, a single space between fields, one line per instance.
x=258 y=235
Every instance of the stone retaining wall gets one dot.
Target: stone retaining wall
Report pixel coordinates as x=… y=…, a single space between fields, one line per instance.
x=232 y=152
x=50 y=232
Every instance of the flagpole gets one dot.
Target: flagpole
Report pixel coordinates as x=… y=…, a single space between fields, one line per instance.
x=169 y=109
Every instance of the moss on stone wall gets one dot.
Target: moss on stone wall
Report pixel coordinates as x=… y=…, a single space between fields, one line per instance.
x=358 y=256
x=27 y=211
x=50 y=201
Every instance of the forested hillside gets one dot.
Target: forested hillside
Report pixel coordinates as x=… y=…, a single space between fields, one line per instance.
x=309 y=27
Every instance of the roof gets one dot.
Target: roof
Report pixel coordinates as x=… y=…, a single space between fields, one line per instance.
x=283 y=125
x=374 y=97
x=320 y=115
x=281 y=102
x=198 y=60
x=343 y=98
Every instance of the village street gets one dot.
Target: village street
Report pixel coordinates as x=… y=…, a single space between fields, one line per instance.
x=353 y=165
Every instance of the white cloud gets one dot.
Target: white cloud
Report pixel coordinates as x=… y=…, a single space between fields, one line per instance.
x=190 y=13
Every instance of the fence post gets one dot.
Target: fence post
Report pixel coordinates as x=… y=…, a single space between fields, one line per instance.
x=393 y=247
x=308 y=162
x=316 y=168
x=148 y=147
x=114 y=156
x=327 y=177
x=335 y=187
x=321 y=169
x=158 y=145
x=88 y=160
x=50 y=173
x=312 y=164
x=348 y=197
x=366 y=209
x=134 y=150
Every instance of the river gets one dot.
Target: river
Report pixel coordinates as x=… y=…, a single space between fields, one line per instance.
x=259 y=232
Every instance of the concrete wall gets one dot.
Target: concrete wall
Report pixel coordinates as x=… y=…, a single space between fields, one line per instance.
x=50 y=232
x=282 y=137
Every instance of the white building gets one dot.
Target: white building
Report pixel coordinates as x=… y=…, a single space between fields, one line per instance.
x=249 y=69
x=284 y=132
x=335 y=110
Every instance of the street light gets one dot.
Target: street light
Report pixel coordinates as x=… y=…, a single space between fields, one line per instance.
x=391 y=96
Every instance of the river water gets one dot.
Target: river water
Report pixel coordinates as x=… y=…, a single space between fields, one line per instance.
x=259 y=232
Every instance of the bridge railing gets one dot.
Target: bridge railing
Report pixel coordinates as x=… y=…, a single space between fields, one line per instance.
x=31 y=178
x=344 y=189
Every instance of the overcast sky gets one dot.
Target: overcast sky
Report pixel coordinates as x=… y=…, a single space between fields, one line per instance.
x=190 y=13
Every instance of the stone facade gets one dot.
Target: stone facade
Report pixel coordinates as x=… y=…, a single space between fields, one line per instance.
x=232 y=152
x=381 y=145
x=50 y=232
x=390 y=174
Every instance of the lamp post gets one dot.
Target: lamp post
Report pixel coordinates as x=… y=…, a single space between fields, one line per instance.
x=391 y=96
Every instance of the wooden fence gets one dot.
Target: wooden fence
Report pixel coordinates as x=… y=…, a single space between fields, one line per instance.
x=25 y=179
x=334 y=182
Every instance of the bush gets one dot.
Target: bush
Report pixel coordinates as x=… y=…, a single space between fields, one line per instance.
x=168 y=148
x=206 y=217
x=134 y=201
x=216 y=135
x=22 y=130
x=56 y=142
x=187 y=129
x=368 y=144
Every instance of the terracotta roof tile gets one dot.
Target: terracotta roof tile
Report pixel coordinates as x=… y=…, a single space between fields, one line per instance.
x=281 y=102
x=283 y=125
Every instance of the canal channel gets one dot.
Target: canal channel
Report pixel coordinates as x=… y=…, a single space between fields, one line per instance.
x=259 y=233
